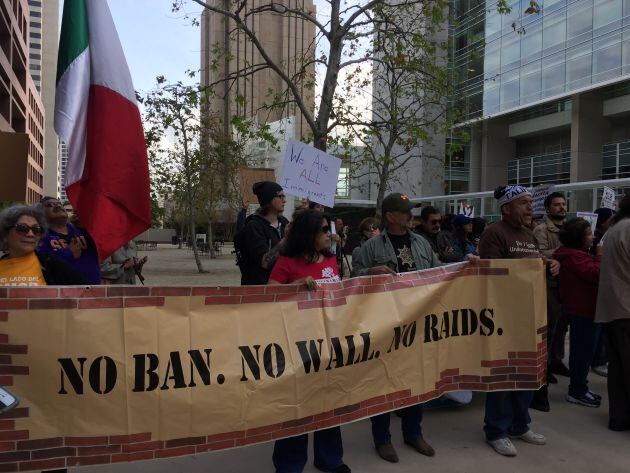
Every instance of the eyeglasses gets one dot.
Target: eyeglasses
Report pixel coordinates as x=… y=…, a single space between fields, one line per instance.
x=326 y=229
x=23 y=229
x=282 y=196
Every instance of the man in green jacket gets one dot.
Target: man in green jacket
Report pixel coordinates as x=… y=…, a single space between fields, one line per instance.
x=397 y=250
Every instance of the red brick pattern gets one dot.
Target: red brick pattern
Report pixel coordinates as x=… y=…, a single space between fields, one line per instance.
x=18 y=452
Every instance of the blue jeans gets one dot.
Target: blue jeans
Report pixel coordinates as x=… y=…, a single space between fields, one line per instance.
x=290 y=454
x=507 y=413
x=583 y=339
x=411 y=425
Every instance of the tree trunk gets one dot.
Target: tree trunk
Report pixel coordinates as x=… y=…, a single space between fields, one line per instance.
x=211 y=240
x=181 y=235
x=191 y=221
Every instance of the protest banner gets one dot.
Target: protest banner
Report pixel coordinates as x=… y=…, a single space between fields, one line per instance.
x=539 y=194
x=122 y=373
x=249 y=176
x=309 y=172
x=590 y=217
x=609 y=198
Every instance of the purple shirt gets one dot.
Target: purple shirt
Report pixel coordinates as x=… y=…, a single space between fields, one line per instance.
x=58 y=245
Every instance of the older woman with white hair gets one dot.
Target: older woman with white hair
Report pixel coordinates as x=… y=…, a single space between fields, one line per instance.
x=21 y=229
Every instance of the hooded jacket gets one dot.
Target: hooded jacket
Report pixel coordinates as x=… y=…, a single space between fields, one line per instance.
x=578 y=281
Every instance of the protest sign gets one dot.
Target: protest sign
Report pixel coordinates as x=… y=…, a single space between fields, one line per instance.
x=466 y=210
x=539 y=194
x=249 y=176
x=309 y=172
x=590 y=217
x=166 y=371
x=609 y=198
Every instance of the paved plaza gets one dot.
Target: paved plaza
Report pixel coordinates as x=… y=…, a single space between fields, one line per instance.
x=578 y=439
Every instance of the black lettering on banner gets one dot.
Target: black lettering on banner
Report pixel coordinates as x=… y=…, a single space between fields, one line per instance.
x=310 y=356
x=141 y=370
x=404 y=335
x=430 y=329
x=367 y=355
x=75 y=378
x=268 y=357
x=202 y=367
x=174 y=365
x=485 y=317
x=110 y=375
x=252 y=363
x=336 y=354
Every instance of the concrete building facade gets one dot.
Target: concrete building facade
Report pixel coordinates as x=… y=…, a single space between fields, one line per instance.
x=21 y=110
x=43 y=49
x=546 y=95
x=226 y=50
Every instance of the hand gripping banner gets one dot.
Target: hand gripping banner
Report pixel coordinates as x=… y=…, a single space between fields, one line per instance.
x=116 y=374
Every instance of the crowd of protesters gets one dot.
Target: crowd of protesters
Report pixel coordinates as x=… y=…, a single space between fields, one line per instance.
x=578 y=262
x=588 y=282
x=45 y=244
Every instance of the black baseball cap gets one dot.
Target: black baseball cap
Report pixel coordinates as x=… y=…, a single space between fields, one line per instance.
x=397 y=202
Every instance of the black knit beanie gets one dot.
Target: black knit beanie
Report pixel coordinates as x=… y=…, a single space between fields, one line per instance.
x=266 y=191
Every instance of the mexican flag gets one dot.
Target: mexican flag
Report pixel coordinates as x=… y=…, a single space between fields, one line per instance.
x=96 y=114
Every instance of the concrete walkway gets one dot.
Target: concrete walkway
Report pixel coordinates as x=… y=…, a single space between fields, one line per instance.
x=578 y=441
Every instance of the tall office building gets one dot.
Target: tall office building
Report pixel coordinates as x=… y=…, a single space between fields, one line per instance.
x=226 y=50
x=44 y=44
x=546 y=95
x=21 y=110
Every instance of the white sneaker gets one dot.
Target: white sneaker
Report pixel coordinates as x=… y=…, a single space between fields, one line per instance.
x=601 y=370
x=531 y=437
x=503 y=447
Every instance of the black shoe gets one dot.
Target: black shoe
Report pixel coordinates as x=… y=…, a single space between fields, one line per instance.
x=596 y=396
x=551 y=379
x=586 y=400
x=540 y=401
x=618 y=427
x=343 y=468
x=560 y=369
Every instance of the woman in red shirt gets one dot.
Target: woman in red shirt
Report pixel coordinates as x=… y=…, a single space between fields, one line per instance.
x=306 y=259
x=578 y=284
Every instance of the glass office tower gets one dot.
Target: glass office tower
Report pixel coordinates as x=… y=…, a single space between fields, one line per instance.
x=508 y=61
x=529 y=82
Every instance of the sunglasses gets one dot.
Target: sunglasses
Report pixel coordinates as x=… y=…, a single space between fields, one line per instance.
x=23 y=229
x=371 y=228
x=326 y=229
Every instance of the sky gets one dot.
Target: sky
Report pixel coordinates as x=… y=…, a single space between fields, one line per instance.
x=155 y=40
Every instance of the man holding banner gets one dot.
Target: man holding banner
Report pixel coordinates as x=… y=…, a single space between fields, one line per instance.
x=507 y=412
x=397 y=250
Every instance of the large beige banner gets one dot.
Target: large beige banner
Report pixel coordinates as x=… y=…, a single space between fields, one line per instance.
x=109 y=374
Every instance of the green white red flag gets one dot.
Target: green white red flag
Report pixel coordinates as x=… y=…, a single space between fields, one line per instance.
x=96 y=114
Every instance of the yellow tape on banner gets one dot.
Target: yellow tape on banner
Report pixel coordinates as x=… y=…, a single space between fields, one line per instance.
x=131 y=373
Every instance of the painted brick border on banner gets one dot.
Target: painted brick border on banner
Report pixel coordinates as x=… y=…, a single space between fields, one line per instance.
x=18 y=452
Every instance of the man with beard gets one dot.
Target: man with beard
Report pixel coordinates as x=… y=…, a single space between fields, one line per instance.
x=547 y=236
x=68 y=242
x=507 y=413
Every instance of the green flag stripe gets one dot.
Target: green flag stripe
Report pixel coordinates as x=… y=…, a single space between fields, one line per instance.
x=74 y=34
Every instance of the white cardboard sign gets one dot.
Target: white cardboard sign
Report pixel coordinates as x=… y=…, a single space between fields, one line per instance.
x=309 y=172
x=539 y=194
x=466 y=210
x=590 y=217
x=609 y=198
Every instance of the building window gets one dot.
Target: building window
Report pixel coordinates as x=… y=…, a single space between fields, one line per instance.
x=343 y=183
